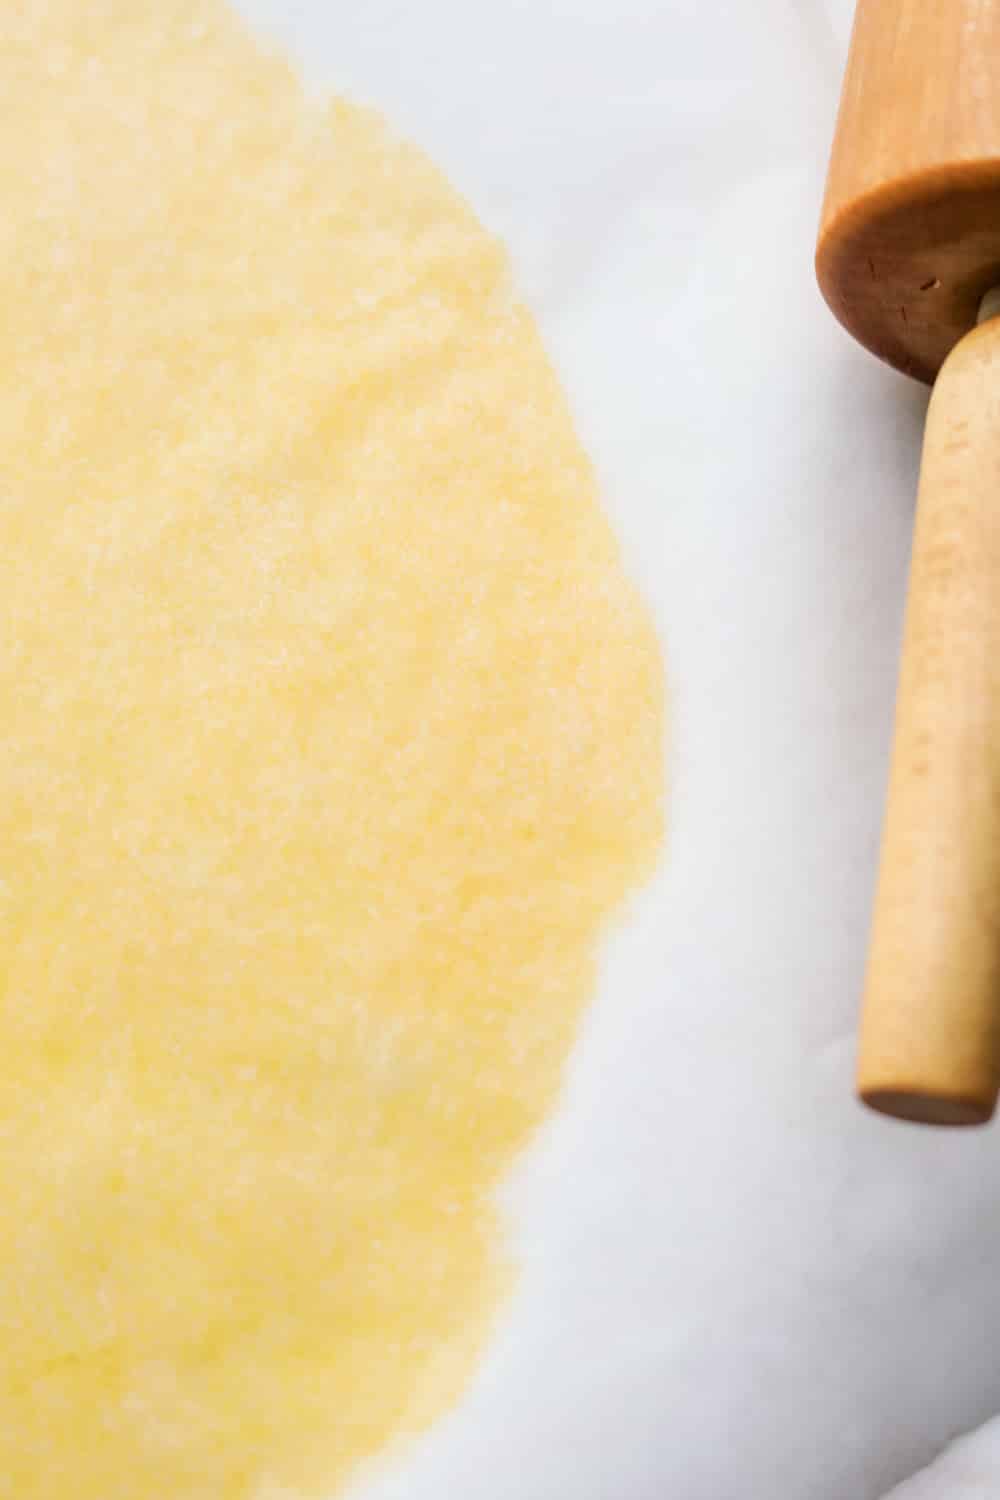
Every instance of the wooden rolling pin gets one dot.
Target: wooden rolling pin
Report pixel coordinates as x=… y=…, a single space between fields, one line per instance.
x=909 y=260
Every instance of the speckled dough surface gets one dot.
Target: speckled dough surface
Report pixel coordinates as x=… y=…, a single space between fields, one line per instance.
x=331 y=735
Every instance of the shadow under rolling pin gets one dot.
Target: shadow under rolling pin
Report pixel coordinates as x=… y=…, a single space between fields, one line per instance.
x=909 y=260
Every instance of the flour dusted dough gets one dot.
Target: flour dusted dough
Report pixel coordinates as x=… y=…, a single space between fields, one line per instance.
x=331 y=733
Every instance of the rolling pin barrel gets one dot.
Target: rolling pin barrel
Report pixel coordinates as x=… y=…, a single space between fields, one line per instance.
x=909 y=247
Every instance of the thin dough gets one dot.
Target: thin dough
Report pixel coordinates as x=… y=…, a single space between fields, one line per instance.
x=331 y=735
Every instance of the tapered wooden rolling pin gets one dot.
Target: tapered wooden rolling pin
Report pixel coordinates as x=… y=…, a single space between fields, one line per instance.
x=909 y=260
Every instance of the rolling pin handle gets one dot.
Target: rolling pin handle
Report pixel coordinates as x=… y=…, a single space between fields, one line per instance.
x=930 y=1034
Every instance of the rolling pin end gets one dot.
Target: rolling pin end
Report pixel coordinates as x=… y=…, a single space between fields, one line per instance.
x=920 y=1106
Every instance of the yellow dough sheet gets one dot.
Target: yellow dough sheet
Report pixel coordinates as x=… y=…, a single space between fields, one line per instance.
x=331 y=735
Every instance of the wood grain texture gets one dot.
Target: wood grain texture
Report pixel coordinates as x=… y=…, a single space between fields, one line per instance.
x=910 y=230
x=930 y=1040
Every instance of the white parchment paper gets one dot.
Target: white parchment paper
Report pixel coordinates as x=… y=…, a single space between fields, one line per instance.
x=736 y=1285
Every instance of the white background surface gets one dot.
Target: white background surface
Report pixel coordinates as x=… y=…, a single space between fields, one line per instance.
x=736 y=1285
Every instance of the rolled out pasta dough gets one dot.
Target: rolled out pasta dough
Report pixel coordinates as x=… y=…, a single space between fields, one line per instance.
x=331 y=733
